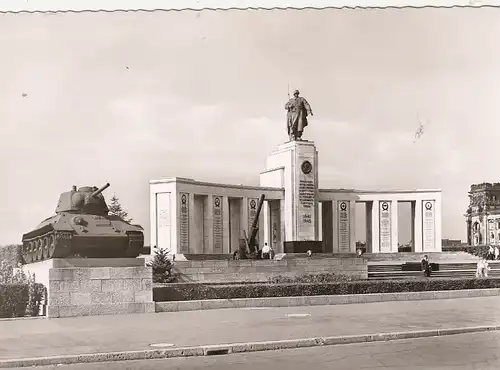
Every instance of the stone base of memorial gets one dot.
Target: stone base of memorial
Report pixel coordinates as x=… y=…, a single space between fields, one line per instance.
x=95 y=286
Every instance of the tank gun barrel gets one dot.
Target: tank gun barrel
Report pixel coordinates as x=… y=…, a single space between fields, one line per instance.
x=100 y=190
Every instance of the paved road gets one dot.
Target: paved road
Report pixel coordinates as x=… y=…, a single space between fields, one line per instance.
x=50 y=337
x=458 y=352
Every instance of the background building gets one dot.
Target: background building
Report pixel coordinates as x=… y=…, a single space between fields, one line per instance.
x=483 y=214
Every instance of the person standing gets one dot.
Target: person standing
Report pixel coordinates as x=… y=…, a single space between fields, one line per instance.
x=426 y=266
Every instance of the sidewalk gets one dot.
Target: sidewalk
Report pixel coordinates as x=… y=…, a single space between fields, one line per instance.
x=83 y=335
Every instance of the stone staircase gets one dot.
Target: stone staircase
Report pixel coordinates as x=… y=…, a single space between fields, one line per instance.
x=446 y=269
x=417 y=257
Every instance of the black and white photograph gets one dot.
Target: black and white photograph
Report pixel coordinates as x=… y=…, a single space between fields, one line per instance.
x=220 y=186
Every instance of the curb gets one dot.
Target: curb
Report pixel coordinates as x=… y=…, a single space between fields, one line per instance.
x=224 y=349
x=321 y=300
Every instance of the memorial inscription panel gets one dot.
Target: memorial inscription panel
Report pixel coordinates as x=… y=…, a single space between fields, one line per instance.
x=306 y=194
x=428 y=225
x=217 y=224
x=163 y=221
x=344 y=228
x=385 y=226
x=184 y=223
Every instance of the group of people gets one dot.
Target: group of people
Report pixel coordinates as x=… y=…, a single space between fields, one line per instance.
x=493 y=253
x=483 y=266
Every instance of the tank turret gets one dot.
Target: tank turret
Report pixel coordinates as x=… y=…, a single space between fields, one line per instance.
x=82 y=227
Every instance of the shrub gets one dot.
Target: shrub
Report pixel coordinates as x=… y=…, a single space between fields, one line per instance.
x=162 y=267
x=20 y=294
x=311 y=279
x=196 y=291
x=13 y=300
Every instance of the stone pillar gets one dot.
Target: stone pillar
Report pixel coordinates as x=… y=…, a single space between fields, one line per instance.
x=394 y=226
x=335 y=226
x=320 y=221
x=166 y=222
x=469 y=232
x=208 y=233
x=375 y=227
x=417 y=226
x=385 y=226
x=219 y=208
x=275 y=213
x=192 y=226
x=369 y=231
x=226 y=247
x=235 y=223
x=352 y=226
x=245 y=219
x=344 y=226
x=429 y=232
x=438 y=224
x=297 y=160
x=266 y=213
x=185 y=213
x=197 y=231
x=327 y=209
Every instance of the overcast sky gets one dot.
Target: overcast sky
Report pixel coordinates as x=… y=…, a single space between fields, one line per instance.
x=130 y=97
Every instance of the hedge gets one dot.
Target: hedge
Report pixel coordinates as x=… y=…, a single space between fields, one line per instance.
x=197 y=291
x=13 y=300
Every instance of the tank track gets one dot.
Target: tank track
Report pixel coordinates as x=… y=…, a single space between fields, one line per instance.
x=48 y=245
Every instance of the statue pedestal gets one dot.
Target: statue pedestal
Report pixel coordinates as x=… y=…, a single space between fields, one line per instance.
x=294 y=167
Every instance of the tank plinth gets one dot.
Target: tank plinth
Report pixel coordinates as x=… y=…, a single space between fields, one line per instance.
x=94 y=286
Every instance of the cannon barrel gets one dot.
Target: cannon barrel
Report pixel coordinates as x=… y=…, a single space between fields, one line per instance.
x=255 y=225
x=100 y=190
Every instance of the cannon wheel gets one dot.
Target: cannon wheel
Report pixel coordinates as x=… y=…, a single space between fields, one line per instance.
x=31 y=251
x=39 y=251
x=52 y=245
x=26 y=253
x=45 y=247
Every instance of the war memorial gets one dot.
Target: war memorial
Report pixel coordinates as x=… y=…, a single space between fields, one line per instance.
x=91 y=262
x=191 y=217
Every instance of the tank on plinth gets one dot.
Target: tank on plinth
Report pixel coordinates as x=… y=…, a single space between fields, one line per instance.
x=82 y=227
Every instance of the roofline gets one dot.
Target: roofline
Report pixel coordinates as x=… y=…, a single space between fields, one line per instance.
x=380 y=191
x=182 y=180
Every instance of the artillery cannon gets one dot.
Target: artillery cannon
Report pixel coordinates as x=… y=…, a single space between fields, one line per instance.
x=250 y=250
x=82 y=227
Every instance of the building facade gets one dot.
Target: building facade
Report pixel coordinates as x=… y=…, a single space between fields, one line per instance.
x=483 y=214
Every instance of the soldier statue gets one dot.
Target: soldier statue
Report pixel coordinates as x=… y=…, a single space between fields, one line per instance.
x=297 y=111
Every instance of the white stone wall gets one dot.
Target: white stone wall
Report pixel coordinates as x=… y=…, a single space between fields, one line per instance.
x=279 y=184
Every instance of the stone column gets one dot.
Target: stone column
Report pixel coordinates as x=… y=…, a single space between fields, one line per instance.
x=368 y=222
x=344 y=228
x=417 y=226
x=375 y=227
x=208 y=225
x=335 y=226
x=469 y=232
x=394 y=226
x=320 y=221
x=437 y=222
x=275 y=225
x=298 y=162
x=352 y=226
x=245 y=222
x=226 y=248
x=266 y=215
